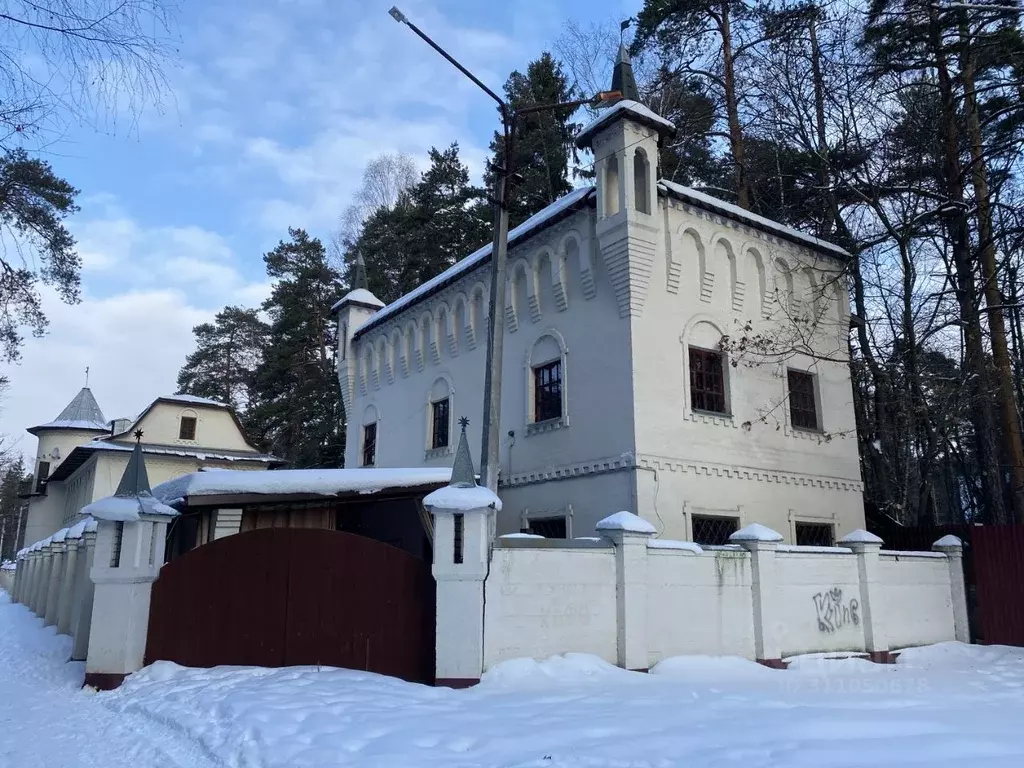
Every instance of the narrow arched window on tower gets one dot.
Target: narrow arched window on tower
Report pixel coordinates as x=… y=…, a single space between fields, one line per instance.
x=641 y=183
x=611 y=186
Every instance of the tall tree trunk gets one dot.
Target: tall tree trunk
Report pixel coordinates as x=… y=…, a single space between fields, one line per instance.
x=1011 y=430
x=733 y=111
x=819 y=118
x=966 y=290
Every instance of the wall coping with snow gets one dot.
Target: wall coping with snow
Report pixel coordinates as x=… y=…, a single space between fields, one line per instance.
x=634 y=600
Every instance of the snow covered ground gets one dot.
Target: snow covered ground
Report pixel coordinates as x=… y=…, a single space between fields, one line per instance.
x=943 y=706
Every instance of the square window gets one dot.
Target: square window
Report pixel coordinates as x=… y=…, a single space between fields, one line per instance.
x=707 y=381
x=439 y=423
x=187 y=428
x=803 y=408
x=815 y=535
x=369 y=444
x=713 y=530
x=548 y=527
x=547 y=391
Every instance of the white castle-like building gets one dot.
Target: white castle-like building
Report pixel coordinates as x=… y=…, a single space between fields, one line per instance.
x=665 y=352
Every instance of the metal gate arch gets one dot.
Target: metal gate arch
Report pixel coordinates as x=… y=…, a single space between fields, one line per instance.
x=295 y=596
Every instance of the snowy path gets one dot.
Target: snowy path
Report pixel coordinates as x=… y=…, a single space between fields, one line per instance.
x=46 y=720
x=942 y=707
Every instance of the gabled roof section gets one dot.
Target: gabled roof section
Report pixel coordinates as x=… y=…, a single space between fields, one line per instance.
x=544 y=218
x=83 y=412
x=359 y=296
x=192 y=401
x=734 y=212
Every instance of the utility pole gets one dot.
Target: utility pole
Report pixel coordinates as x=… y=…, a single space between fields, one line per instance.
x=491 y=440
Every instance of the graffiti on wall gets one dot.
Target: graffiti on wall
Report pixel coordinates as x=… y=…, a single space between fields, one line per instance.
x=833 y=612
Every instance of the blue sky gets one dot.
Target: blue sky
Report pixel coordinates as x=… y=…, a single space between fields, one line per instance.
x=274 y=108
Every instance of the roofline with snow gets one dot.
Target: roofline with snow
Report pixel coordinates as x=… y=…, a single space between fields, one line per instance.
x=55 y=427
x=466 y=266
x=346 y=302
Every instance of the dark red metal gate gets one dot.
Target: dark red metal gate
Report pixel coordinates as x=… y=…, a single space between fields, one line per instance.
x=999 y=576
x=288 y=596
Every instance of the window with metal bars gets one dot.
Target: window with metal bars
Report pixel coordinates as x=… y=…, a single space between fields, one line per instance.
x=460 y=526
x=439 y=423
x=187 y=428
x=547 y=391
x=815 y=535
x=707 y=381
x=369 y=444
x=803 y=408
x=713 y=530
x=548 y=527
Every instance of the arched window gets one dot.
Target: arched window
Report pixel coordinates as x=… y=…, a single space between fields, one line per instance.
x=708 y=371
x=368 y=444
x=188 y=422
x=611 y=186
x=546 y=384
x=641 y=181
x=439 y=414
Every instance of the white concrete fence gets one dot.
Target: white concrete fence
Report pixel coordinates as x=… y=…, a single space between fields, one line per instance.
x=634 y=600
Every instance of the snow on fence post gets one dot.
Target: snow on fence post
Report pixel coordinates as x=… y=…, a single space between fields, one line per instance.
x=865 y=546
x=127 y=561
x=67 y=585
x=630 y=533
x=43 y=581
x=761 y=541
x=953 y=549
x=81 y=612
x=60 y=549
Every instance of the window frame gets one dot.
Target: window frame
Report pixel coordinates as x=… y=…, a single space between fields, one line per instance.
x=691 y=352
x=719 y=519
x=435 y=424
x=798 y=406
x=368 y=441
x=42 y=478
x=182 y=420
x=816 y=524
x=536 y=371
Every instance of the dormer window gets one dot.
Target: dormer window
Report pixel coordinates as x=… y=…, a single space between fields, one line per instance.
x=187 y=428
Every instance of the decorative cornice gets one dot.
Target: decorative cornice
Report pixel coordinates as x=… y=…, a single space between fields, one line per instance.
x=647 y=461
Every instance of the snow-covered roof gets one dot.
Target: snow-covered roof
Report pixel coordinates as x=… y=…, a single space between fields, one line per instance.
x=126 y=509
x=358 y=296
x=625 y=521
x=756 y=532
x=203 y=454
x=636 y=111
x=83 y=412
x=860 y=536
x=192 y=400
x=481 y=256
x=702 y=200
x=463 y=499
x=314 y=482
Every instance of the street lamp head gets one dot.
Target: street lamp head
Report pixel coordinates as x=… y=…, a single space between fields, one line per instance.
x=397 y=15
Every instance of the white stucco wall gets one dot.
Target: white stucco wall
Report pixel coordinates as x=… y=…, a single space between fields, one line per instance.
x=918 y=606
x=543 y=598
x=698 y=604
x=812 y=614
x=623 y=296
x=214 y=428
x=540 y=602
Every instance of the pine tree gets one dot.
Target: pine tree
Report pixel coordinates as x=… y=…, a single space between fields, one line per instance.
x=433 y=225
x=227 y=355
x=298 y=413
x=12 y=523
x=543 y=140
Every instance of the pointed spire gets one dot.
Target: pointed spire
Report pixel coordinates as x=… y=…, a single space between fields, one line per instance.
x=463 y=474
x=359 y=280
x=135 y=480
x=622 y=76
x=83 y=412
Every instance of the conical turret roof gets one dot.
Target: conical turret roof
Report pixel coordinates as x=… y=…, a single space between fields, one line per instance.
x=83 y=412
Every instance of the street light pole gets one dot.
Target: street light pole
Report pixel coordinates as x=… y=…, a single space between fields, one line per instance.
x=491 y=438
